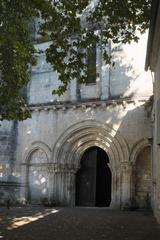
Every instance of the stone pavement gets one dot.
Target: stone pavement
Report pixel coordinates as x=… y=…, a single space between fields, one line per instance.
x=40 y=223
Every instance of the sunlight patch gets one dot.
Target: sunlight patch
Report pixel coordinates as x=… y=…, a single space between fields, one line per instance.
x=18 y=222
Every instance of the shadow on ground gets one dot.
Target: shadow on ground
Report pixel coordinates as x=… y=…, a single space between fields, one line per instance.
x=76 y=224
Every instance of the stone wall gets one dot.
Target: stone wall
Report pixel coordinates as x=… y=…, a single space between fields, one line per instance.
x=8 y=144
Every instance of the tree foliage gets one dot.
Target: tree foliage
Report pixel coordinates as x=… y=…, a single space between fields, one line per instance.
x=73 y=27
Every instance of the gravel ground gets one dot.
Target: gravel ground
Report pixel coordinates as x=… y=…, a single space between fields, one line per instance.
x=76 y=224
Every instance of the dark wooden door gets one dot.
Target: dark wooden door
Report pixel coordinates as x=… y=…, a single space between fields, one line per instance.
x=86 y=179
x=103 y=180
x=93 y=180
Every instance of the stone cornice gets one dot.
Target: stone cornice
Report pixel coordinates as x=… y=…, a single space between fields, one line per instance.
x=63 y=106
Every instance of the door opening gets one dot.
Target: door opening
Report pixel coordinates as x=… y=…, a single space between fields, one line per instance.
x=93 y=180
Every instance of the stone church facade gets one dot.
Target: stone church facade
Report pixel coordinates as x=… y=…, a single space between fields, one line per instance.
x=90 y=147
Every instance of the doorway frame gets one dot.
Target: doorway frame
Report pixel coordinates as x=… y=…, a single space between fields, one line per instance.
x=72 y=144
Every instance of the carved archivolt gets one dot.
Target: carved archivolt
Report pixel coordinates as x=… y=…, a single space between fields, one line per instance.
x=39 y=151
x=75 y=140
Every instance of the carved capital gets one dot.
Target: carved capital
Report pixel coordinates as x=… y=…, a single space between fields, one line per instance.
x=59 y=168
x=126 y=167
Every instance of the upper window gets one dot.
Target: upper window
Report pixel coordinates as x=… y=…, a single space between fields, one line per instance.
x=34 y=27
x=91 y=65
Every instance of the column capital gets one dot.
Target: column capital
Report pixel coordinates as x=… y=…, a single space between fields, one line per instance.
x=126 y=166
x=61 y=167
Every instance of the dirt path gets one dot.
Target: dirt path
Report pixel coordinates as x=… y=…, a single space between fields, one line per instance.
x=76 y=224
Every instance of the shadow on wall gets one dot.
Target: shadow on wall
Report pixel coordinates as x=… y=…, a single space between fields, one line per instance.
x=136 y=128
x=122 y=76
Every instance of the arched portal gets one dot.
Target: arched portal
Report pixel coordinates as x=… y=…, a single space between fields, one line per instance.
x=143 y=178
x=68 y=153
x=93 y=180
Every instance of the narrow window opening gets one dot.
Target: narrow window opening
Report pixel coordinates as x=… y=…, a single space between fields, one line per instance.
x=91 y=65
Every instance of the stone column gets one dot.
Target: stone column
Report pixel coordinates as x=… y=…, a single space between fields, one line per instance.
x=62 y=184
x=116 y=188
x=50 y=185
x=126 y=169
x=24 y=184
x=133 y=185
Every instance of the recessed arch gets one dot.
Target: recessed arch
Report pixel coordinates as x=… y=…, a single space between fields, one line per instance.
x=76 y=139
x=36 y=162
x=141 y=179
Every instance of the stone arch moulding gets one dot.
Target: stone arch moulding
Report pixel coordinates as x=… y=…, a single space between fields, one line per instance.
x=76 y=139
x=70 y=147
x=141 y=144
x=35 y=146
